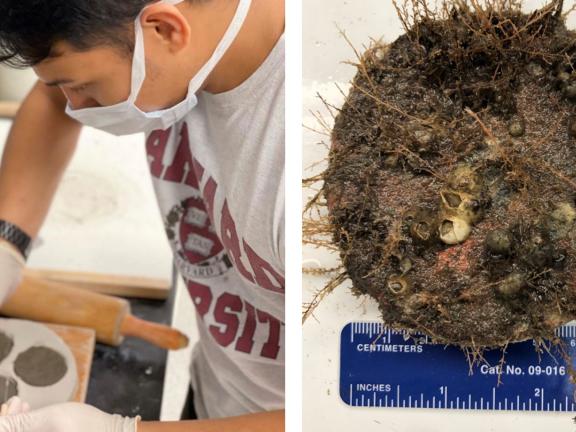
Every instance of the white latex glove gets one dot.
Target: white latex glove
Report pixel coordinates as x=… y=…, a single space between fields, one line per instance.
x=14 y=406
x=11 y=266
x=68 y=417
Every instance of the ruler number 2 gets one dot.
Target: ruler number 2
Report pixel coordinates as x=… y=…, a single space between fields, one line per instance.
x=537 y=392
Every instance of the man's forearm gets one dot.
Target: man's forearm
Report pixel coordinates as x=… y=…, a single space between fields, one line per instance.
x=39 y=147
x=261 y=422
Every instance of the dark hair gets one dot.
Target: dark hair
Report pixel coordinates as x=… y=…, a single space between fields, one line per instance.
x=30 y=28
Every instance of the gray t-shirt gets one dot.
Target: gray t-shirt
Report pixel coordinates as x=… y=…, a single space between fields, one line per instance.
x=219 y=179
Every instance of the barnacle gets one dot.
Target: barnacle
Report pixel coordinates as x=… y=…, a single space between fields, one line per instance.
x=512 y=284
x=423 y=226
x=499 y=242
x=465 y=179
x=463 y=205
x=517 y=127
x=454 y=230
x=398 y=284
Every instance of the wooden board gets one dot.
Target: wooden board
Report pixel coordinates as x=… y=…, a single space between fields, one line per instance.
x=115 y=285
x=82 y=342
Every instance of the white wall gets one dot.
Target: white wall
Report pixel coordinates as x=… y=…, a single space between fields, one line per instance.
x=15 y=83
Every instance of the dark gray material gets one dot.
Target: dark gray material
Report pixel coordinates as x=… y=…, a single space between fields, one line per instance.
x=6 y=345
x=8 y=388
x=40 y=366
x=129 y=380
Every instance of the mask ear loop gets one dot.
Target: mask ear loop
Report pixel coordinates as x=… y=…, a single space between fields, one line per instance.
x=225 y=43
x=196 y=83
x=138 y=60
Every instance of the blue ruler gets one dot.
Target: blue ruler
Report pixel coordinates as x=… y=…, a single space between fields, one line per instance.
x=384 y=368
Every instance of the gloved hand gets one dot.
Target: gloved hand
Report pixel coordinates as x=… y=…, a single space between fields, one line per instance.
x=11 y=266
x=68 y=417
x=13 y=406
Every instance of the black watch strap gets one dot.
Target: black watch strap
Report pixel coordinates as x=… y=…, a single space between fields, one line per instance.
x=16 y=237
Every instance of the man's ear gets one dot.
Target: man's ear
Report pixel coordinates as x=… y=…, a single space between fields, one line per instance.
x=169 y=25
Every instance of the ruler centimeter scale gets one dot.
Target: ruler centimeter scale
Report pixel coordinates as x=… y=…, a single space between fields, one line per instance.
x=380 y=367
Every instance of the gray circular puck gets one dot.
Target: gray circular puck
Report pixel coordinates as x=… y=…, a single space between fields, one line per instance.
x=40 y=366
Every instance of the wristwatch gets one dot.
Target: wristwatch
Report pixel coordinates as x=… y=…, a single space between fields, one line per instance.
x=16 y=237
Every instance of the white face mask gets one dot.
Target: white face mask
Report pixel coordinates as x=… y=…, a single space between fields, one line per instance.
x=126 y=118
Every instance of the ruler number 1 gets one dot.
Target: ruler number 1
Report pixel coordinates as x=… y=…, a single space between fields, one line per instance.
x=443 y=390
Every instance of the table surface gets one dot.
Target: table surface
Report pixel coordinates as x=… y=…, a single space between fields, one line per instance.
x=129 y=379
x=324 y=51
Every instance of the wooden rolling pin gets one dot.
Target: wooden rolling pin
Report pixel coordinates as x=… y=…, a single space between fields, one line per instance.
x=110 y=317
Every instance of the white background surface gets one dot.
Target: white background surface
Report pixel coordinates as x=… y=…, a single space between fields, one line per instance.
x=104 y=217
x=324 y=50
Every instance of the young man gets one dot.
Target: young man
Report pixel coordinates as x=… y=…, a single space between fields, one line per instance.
x=204 y=79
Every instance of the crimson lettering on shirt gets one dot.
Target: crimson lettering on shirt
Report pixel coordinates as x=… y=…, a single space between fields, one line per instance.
x=272 y=346
x=201 y=297
x=198 y=169
x=226 y=312
x=231 y=242
x=182 y=168
x=155 y=147
x=230 y=324
x=266 y=276
x=246 y=342
x=209 y=196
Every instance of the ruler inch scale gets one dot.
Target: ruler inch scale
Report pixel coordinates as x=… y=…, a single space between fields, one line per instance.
x=385 y=368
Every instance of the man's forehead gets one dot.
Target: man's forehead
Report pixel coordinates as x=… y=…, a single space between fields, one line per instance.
x=55 y=69
x=64 y=52
x=67 y=64
x=60 y=49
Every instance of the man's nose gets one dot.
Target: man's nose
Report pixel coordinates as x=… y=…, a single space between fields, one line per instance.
x=78 y=101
